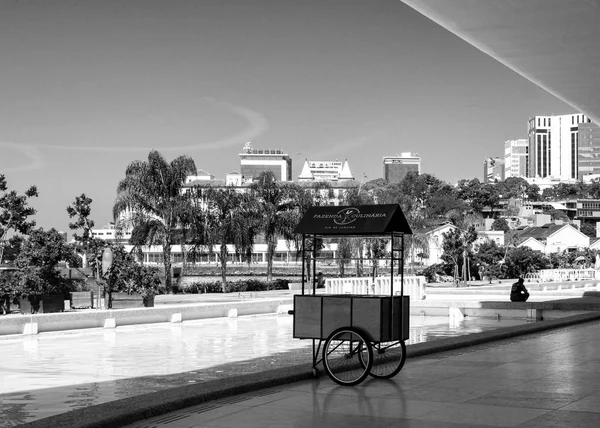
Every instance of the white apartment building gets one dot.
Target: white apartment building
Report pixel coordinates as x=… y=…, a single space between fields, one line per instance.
x=325 y=171
x=554 y=146
x=254 y=161
x=110 y=233
x=516 y=158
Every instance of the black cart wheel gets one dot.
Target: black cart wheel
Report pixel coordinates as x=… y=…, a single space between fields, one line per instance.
x=388 y=359
x=347 y=356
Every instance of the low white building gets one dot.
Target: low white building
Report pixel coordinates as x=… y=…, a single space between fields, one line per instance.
x=428 y=244
x=553 y=238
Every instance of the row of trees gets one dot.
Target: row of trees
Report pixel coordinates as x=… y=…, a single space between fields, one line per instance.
x=35 y=260
x=153 y=202
x=496 y=261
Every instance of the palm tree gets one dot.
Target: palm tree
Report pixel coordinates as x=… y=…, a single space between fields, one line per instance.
x=151 y=201
x=229 y=217
x=358 y=196
x=460 y=240
x=280 y=211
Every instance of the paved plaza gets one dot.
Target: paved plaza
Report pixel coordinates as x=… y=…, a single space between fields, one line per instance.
x=542 y=380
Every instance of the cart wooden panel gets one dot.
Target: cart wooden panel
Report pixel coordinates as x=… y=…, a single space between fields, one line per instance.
x=317 y=316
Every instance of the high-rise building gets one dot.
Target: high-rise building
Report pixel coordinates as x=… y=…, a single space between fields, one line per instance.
x=396 y=167
x=325 y=171
x=553 y=146
x=516 y=162
x=589 y=150
x=254 y=161
x=493 y=170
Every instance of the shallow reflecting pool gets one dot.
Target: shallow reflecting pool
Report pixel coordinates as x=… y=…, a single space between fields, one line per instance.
x=56 y=372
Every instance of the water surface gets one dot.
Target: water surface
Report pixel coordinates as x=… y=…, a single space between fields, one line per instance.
x=56 y=372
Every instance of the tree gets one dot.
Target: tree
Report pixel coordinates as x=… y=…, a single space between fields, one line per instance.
x=14 y=212
x=500 y=224
x=150 y=200
x=9 y=278
x=418 y=190
x=358 y=196
x=229 y=218
x=126 y=275
x=440 y=205
x=456 y=245
x=81 y=209
x=279 y=212
x=488 y=258
x=38 y=263
x=589 y=229
x=523 y=260
x=467 y=190
x=557 y=215
x=8 y=289
x=344 y=255
x=375 y=251
x=486 y=196
x=567 y=191
x=518 y=188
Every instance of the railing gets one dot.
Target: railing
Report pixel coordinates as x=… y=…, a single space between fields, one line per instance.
x=559 y=275
x=414 y=286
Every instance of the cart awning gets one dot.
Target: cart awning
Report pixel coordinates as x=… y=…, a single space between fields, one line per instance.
x=354 y=220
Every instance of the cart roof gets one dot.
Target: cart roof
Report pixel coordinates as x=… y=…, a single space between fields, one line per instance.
x=354 y=220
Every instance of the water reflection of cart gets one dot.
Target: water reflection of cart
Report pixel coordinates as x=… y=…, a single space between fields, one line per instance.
x=354 y=335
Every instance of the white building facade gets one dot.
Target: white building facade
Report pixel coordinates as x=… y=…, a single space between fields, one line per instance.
x=516 y=158
x=325 y=171
x=554 y=146
x=254 y=161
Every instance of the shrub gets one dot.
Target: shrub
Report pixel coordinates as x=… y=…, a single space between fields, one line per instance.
x=241 y=286
x=431 y=272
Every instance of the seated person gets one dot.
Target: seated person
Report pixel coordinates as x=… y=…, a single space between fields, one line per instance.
x=320 y=280
x=518 y=292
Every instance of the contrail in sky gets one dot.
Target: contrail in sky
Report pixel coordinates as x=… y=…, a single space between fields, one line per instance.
x=31 y=152
x=257 y=124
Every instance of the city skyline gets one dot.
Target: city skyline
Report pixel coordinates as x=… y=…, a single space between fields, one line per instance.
x=89 y=87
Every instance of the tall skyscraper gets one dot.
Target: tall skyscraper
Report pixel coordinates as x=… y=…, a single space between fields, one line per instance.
x=516 y=158
x=553 y=146
x=254 y=161
x=493 y=170
x=396 y=167
x=589 y=150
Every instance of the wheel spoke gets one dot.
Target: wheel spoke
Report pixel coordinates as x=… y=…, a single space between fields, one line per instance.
x=344 y=355
x=388 y=359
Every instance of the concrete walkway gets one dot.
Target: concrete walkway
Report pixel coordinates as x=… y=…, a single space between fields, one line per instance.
x=545 y=379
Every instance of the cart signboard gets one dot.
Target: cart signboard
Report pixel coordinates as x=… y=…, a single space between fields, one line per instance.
x=354 y=220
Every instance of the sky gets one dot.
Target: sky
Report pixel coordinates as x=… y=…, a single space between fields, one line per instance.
x=86 y=87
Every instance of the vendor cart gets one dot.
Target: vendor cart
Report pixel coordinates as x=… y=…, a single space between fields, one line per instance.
x=354 y=335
